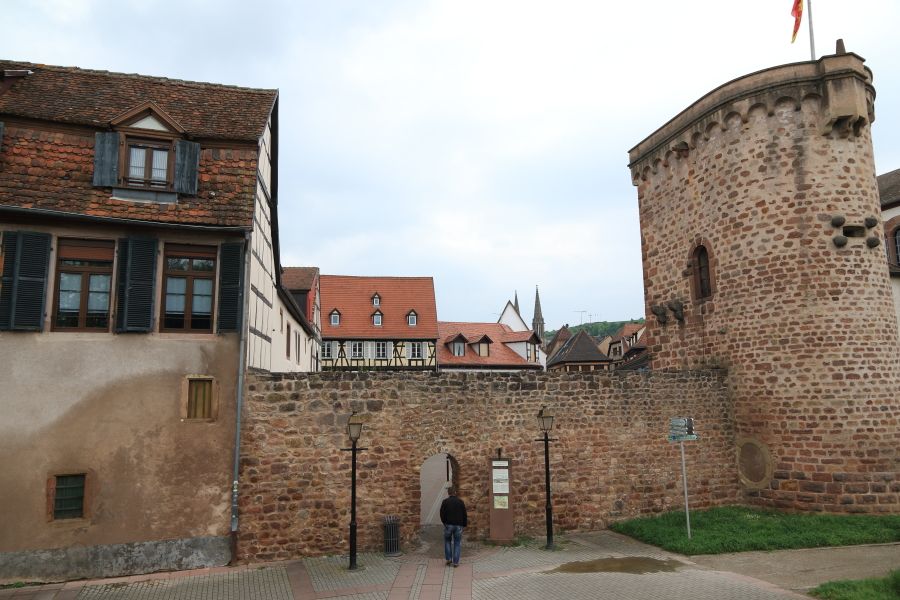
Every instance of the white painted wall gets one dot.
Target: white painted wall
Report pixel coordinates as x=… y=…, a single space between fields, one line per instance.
x=269 y=322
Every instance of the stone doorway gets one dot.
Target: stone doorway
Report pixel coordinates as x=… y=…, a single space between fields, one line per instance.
x=438 y=473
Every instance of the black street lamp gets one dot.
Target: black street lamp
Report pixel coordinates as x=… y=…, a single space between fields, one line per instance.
x=354 y=430
x=545 y=422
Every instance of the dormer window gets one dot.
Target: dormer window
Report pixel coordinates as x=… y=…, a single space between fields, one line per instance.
x=483 y=349
x=376 y=300
x=411 y=318
x=459 y=349
x=146 y=152
x=376 y=319
x=335 y=318
x=148 y=163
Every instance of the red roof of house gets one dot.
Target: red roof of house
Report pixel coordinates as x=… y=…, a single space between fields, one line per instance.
x=299 y=278
x=501 y=355
x=352 y=297
x=94 y=98
x=51 y=170
x=627 y=330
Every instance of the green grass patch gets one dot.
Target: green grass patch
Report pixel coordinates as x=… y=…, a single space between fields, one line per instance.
x=739 y=529
x=883 y=588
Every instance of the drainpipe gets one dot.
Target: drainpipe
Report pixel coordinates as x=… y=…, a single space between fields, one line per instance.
x=242 y=364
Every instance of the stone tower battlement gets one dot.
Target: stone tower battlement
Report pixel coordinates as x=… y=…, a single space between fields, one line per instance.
x=838 y=87
x=760 y=236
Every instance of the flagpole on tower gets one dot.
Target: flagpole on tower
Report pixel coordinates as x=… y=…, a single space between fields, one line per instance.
x=812 y=38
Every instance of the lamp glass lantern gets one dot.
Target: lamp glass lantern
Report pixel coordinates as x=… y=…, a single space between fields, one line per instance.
x=545 y=419
x=354 y=427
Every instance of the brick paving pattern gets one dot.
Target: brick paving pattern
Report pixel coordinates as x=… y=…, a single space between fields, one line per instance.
x=270 y=583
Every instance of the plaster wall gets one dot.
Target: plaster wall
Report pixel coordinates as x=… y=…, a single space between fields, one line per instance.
x=110 y=405
x=269 y=322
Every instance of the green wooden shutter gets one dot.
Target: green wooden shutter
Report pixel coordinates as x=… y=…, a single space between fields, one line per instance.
x=6 y=281
x=231 y=270
x=136 y=278
x=106 y=159
x=26 y=262
x=187 y=163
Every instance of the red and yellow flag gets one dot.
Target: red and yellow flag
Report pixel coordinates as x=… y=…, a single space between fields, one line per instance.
x=797 y=13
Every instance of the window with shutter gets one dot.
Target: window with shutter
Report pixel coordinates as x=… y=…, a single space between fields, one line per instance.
x=136 y=277
x=199 y=398
x=68 y=496
x=231 y=271
x=26 y=259
x=190 y=272
x=83 y=285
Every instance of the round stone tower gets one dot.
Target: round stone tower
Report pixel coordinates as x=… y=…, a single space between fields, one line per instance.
x=761 y=240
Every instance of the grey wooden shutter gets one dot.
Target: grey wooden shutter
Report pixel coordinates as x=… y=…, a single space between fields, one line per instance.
x=2 y=126
x=187 y=163
x=136 y=278
x=106 y=159
x=231 y=270
x=26 y=262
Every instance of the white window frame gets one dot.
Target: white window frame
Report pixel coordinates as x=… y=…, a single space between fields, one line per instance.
x=376 y=300
x=377 y=319
x=353 y=353
x=415 y=350
x=326 y=350
x=335 y=318
x=381 y=350
x=412 y=318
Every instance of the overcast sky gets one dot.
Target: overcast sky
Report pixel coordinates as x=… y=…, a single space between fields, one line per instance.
x=483 y=143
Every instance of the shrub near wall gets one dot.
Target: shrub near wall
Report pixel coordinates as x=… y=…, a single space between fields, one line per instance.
x=611 y=460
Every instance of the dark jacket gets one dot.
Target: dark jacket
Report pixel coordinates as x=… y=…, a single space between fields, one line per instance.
x=453 y=512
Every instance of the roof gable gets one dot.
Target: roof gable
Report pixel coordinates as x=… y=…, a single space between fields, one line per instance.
x=147 y=115
x=580 y=348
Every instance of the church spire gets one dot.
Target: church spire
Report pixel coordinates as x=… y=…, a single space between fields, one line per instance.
x=516 y=302
x=537 y=324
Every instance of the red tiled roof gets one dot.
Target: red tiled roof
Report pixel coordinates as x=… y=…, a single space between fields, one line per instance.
x=94 y=98
x=299 y=278
x=51 y=168
x=627 y=330
x=500 y=355
x=352 y=297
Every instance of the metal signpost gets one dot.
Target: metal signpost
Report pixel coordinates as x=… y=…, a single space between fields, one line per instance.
x=681 y=430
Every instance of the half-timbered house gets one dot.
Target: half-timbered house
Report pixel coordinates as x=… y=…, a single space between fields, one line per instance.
x=378 y=322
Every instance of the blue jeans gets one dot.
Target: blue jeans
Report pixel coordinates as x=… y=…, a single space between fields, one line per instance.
x=452 y=542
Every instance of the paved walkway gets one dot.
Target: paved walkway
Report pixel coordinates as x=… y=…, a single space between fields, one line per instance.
x=601 y=565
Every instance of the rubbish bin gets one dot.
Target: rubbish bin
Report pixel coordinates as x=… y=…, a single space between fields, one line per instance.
x=392 y=535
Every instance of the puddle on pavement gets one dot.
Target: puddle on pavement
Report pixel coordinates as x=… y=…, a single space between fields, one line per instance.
x=635 y=565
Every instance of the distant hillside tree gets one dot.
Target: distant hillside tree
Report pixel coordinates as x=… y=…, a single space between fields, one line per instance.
x=598 y=329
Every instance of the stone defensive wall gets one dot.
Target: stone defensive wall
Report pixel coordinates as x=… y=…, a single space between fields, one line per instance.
x=761 y=239
x=610 y=460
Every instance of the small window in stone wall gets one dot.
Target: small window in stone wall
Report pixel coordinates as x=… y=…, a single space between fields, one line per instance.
x=702 y=273
x=200 y=398
x=896 y=260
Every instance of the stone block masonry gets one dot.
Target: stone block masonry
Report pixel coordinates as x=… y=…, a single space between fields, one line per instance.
x=773 y=176
x=611 y=460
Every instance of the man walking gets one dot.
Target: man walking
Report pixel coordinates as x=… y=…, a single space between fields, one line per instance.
x=454 y=518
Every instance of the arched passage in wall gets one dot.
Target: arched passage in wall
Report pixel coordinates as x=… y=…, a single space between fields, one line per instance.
x=438 y=473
